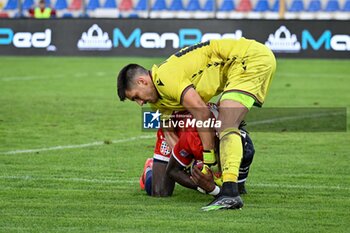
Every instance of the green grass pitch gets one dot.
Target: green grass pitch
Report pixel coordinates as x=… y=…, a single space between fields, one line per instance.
x=299 y=182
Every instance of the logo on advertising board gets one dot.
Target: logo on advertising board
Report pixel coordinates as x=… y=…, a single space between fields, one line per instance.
x=94 y=39
x=27 y=39
x=326 y=41
x=283 y=41
x=154 y=40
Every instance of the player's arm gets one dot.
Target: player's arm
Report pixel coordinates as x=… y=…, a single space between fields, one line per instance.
x=205 y=180
x=176 y=171
x=169 y=132
x=194 y=103
x=199 y=181
x=171 y=137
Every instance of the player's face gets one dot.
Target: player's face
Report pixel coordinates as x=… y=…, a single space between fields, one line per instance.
x=142 y=92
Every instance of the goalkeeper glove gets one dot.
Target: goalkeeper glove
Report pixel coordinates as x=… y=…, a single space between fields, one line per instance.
x=215 y=172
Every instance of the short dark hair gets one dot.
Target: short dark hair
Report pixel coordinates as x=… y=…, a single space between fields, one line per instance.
x=125 y=77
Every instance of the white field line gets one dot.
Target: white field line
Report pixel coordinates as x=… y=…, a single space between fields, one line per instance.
x=135 y=181
x=79 y=180
x=25 y=78
x=100 y=143
x=80 y=75
x=28 y=78
x=149 y=136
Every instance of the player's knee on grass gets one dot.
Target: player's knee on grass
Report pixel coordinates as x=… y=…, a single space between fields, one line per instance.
x=148 y=182
x=162 y=185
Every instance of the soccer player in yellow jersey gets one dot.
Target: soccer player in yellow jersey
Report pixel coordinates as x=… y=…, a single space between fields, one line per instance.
x=240 y=70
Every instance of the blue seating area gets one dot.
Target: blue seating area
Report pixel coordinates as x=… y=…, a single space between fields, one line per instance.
x=260 y=7
x=332 y=5
x=11 y=5
x=93 y=4
x=209 y=5
x=176 y=5
x=110 y=4
x=276 y=6
x=159 y=5
x=193 y=5
x=314 y=6
x=141 y=5
x=347 y=6
x=296 y=6
x=227 y=5
x=27 y=4
x=61 y=5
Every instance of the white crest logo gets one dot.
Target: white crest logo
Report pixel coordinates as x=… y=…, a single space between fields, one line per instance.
x=95 y=39
x=283 y=41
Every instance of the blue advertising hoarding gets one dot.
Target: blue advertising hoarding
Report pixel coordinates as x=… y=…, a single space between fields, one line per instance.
x=160 y=37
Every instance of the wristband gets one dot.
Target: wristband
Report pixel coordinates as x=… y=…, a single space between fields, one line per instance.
x=216 y=191
x=201 y=190
x=209 y=157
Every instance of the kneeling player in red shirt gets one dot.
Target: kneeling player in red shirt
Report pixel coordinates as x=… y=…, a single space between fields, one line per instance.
x=159 y=176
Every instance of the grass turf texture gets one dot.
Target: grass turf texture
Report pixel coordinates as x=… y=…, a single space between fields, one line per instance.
x=299 y=182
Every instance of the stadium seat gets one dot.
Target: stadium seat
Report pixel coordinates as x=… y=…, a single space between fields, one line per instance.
x=11 y=5
x=227 y=5
x=262 y=6
x=126 y=5
x=133 y=16
x=346 y=7
x=27 y=4
x=296 y=6
x=61 y=5
x=67 y=15
x=176 y=5
x=159 y=5
x=314 y=6
x=141 y=5
x=276 y=6
x=209 y=5
x=332 y=5
x=193 y=5
x=75 y=5
x=110 y=4
x=93 y=4
x=244 y=5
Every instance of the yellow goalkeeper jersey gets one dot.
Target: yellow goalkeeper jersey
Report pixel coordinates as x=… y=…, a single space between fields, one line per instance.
x=203 y=66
